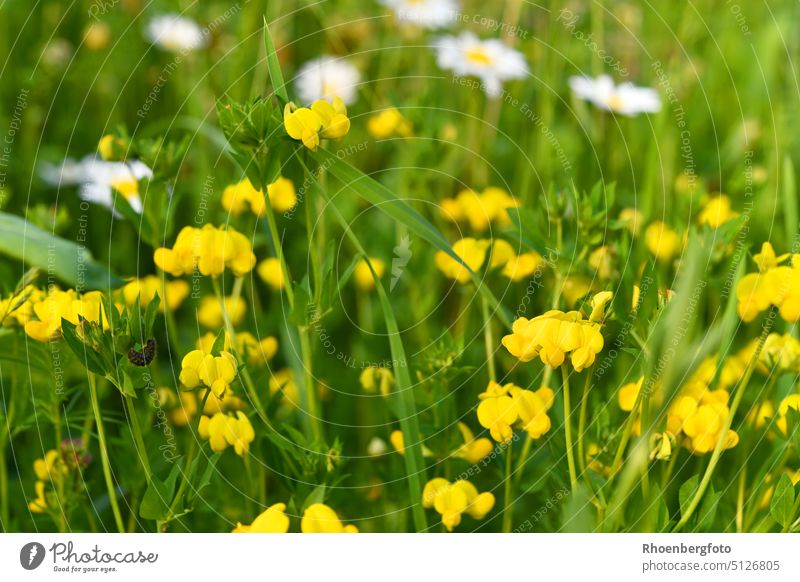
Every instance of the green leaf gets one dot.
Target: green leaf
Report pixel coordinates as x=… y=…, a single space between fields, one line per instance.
x=708 y=510
x=158 y=496
x=687 y=491
x=68 y=261
x=316 y=496
x=579 y=513
x=85 y=354
x=274 y=66
x=789 y=191
x=782 y=501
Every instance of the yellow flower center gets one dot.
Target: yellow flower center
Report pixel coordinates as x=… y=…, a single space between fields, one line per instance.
x=477 y=54
x=127 y=187
x=615 y=102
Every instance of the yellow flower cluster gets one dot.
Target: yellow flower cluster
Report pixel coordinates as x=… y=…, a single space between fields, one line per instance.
x=791 y=401
x=663 y=242
x=58 y=305
x=200 y=368
x=317 y=518
x=473 y=254
x=556 y=334
x=322 y=120
x=473 y=449
x=209 y=250
x=47 y=469
x=182 y=406
x=171 y=293
x=238 y=198
x=480 y=209
x=388 y=123
x=377 y=379
x=210 y=313
x=256 y=352
x=451 y=500
x=781 y=352
x=717 y=211
x=223 y=430
x=774 y=285
x=501 y=407
x=17 y=309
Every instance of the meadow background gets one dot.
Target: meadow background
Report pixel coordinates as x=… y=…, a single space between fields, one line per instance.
x=726 y=74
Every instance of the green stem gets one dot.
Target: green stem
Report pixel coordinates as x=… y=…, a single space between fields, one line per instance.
x=138 y=438
x=488 y=339
x=101 y=438
x=311 y=403
x=276 y=243
x=573 y=478
x=582 y=423
x=507 y=503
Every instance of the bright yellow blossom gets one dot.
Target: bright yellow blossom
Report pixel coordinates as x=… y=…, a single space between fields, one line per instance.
x=452 y=500
x=363 y=275
x=662 y=241
x=224 y=430
x=208 y=250
x=388 y=123
x=210 y=313
x=271 y=520
x=271 y=273
x=319 y=518
x=471 y=251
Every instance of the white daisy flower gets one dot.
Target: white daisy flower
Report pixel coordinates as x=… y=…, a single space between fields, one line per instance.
x=175 y=33
x=430 y=14
x=98 y=180
x=325 y=78
x=490 y=60
x=625 y=99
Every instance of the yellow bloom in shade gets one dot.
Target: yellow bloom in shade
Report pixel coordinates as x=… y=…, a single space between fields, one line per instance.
x=302 y=124
x=473 y=450
x=717 y=212
x=210 y=313
x=628 y=394
x=171 y=293
x=376 y=379
x=502 y=253
x=452 y=500
x=208 y=250
x=704 y=425
x=602 y=261
x=663 y=242
x=523 y=266
x=105 y=147
x=224 y=430
x=480 y=210
x=632 y=218
x=271 y=273
x=598 y=305
x=319 y=518
x=282 y=195
x=791 y=401
x=258 y=352
x=271 y=520
x=774 y=285
x=396 y=438
x=575 y=288
x=363 y=275
x=49 y=467
x=532 y=409
x=471 y=251
x=388 y=123
x=553 y=336
x=38 y=505
x=661 y=445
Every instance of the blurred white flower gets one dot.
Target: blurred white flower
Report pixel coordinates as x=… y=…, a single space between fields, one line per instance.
x=98 y=180
x=377 y=447
x=325 y=78
x=490 y=60
x=625 y=99
x=425 y=13
x=175 y=33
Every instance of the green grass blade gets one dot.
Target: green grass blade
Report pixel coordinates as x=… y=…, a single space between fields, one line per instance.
x=275 y=74
x=789 y=191
x=70 y=262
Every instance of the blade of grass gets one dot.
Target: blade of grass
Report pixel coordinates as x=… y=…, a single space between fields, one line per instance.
x=274 y=66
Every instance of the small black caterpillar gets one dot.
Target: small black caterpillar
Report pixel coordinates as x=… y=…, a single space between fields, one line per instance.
x=144 y=357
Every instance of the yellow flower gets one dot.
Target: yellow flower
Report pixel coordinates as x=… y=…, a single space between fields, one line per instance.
x=781 y=351
x=377 y=379
x=774 y=284
x=319 y=518
x=472 y=252
x=302 y=124
x=574 y=288
x=282 y=195
x=396 y=438
x=283 y=381
x=208 y=250
x=388 y=123
x=363 y=275
x=661 y=445
x=628 y=394
x=49 y=467
x=210 y=313
x=523 y=266
x=602 y=261
x=257 y=352
x=717 y=212
x=553 y=336
x=451 y=500
x=335 y=123
x=199 y=368
x=791 y=401
x=662 y=241
x=473 y=450
x=502 y=253
x=497 y=412
x=171 y=293
x=224 y=430
x=271 y=520
x=632 y=219
x=704 y=426
x=271 y=273
x=598 y=304
x=60 y=305
x=480 y=210
x=38 y=505
x=532 y=409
